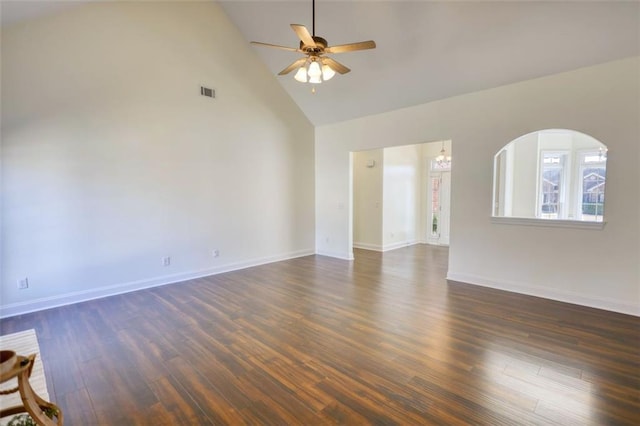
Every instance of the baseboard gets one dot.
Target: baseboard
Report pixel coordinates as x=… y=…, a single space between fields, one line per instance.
x=378 y=247
x=343 y=256
x=437 y=242
x=20 y=308
x=367 y=246
x=549 y=293
x=401 y=244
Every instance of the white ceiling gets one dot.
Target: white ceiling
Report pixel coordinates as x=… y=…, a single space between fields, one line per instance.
x=434 y=50
x=427 y=50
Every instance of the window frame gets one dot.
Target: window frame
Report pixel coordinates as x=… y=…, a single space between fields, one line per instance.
x=579 y=187
x=564 y=186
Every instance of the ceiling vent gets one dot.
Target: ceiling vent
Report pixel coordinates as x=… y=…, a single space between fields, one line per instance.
x=205 y=91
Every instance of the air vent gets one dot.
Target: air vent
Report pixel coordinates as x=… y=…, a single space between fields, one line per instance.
x=205 y=91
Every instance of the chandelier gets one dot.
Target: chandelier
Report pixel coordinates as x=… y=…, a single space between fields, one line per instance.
x=443 y=160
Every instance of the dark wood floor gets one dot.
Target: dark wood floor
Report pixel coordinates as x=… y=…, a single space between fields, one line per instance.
x=383 y=340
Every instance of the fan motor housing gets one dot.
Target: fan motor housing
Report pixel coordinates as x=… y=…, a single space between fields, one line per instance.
x=321 y=44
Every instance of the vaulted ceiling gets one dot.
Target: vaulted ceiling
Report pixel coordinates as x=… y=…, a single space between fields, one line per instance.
x=429 y=50
x=426 y=50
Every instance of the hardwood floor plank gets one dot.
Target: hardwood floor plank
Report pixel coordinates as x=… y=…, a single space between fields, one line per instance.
x=339 y=414
x=117 y=393
x=203 y=393
x=178 y=405
x=77 y=408
x=384 y=339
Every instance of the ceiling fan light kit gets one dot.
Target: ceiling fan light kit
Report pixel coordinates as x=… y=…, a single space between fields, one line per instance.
x=312 y=72
x=315 y=68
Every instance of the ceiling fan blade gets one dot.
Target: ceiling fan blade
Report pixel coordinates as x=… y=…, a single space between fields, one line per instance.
x=293 y=66
x=291 y=49
x=370 y=44
x=303 y=34
x=335 y=65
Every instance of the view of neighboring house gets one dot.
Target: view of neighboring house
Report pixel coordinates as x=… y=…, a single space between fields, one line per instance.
x=593 y=184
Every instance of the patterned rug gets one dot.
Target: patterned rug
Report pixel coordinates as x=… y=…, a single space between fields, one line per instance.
x=23 y=343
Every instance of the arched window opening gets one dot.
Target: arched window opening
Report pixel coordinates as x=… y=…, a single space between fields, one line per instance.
x=551 y=174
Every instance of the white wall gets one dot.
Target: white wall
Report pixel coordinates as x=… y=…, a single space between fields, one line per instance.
x=367 y=199
x=111 y=159
x=560 y=263
x=402 y=196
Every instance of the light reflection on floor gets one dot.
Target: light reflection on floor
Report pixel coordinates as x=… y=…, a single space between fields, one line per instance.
x=556 y=392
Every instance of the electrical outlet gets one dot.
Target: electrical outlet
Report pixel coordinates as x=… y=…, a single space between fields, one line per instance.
x=166 y=261
x=216 y=253
x=23 y=283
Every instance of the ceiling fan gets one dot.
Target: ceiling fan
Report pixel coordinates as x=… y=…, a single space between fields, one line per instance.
x=315 y=67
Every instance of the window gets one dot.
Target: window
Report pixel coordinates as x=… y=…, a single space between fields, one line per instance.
x=441 y=165
x=593 y=170
x=552 y=190
x=435 y=205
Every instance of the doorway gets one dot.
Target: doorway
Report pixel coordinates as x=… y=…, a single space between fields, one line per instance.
x=401 y=196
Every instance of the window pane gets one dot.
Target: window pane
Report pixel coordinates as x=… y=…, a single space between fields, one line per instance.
x=593 y=183
x=435 y=205
x=440 y=165
x=551 y=185
x=593 y=158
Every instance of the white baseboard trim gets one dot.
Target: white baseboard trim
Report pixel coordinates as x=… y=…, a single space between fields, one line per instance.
x=438 y=242
x=20 y=308
x=607 y=304
x=393 y=246
x=367 y=246
x=401 y=244
x=378 y=247
x=343 y=256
